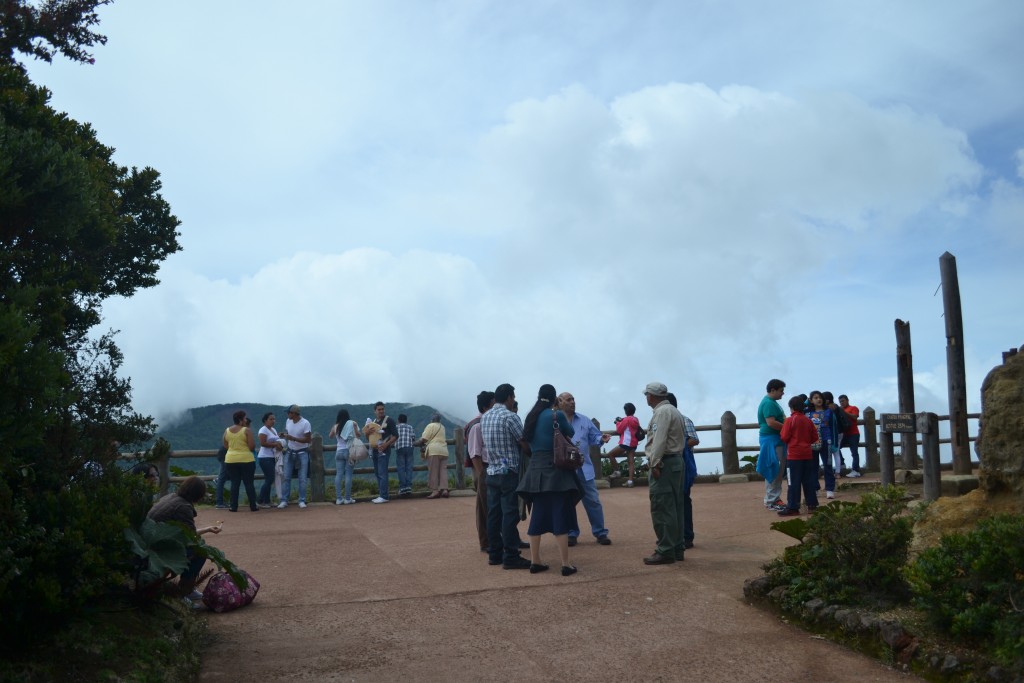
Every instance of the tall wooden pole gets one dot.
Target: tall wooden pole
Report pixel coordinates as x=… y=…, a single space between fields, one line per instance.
x=905 y=386
x=956 y=373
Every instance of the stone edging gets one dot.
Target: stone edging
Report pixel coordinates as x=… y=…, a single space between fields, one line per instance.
x=884 y=639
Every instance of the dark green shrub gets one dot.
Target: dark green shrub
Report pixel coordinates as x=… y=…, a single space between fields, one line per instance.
x=972 y=585
x=849 y=553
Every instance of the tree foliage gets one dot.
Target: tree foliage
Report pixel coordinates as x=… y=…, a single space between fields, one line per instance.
x=75 y=229
x=42 y=29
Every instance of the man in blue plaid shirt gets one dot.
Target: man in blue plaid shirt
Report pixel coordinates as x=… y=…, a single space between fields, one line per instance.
x=403 y=456
x=502 y=429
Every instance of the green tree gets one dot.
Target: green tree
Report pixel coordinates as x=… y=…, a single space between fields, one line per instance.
x=75 y=229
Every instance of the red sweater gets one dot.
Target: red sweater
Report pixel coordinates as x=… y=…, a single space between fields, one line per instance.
x=799 y=434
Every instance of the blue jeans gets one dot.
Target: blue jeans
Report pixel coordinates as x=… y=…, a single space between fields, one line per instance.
x=826 y=462
x=381 y=461
x=502 y=517
x=344 y=469
x=592 y=504
x=267 y=468
x=803 y=475
x=688 y=478
x=222 y=478
x=403 y=463
x=852 y=441
x=289 y=463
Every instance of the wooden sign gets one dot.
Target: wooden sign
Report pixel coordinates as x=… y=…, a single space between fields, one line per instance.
x=898 y=423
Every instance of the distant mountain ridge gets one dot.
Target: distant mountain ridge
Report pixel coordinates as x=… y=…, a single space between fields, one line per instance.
x=203 y=428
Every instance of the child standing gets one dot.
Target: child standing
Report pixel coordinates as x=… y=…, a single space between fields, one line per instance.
x=799 y=434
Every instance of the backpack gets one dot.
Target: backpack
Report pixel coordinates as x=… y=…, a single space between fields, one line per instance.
x=842 y=421
x=641 y=434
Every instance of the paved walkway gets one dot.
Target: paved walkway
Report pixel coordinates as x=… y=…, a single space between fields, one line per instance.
x=401 y=592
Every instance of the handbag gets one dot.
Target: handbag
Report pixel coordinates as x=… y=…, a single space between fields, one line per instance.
x=222 y=595
x=357 y=450
x=567 y=456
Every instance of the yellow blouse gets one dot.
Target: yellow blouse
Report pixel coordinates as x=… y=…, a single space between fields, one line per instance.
x=238 y=447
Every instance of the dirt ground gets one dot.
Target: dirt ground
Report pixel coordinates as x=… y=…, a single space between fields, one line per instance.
x=401 y=592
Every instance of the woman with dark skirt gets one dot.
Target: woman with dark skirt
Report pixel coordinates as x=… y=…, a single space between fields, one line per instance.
x=553 y=493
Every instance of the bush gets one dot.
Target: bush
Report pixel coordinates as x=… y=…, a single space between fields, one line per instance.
x=972 y=585
x=849 y=553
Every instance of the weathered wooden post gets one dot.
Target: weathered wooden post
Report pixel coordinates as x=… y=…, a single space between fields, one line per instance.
x=928 y=425
x=956 y=374
x=886 y=466
x=905 y=386
x=870 y=439
x=460 y=458
x=730 y=453
x=316 y=469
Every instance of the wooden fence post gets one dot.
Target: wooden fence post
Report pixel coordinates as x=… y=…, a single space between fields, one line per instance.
x=887 y=466
x=871 y=438
x=460 y=458
x=316 y=469
x=730 y=454
x=928 y=426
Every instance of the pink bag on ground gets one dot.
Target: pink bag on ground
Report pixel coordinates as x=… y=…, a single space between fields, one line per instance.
x=222 y=595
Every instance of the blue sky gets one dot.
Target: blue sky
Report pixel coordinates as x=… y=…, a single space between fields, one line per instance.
x=415 y=201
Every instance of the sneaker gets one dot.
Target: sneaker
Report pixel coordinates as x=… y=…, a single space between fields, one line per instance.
x=302 y=506
x=615 y=475
x=629 y=483
x=379 y=500
x=830 y=494
x=854 y=474
x=349 y=501
x=282 y=505
x=786 y=512
x=265 y=506
x=221 y=506
x=777 y=507
x=339 y=502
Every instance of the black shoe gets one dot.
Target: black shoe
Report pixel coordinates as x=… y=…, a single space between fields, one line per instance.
x=659 y=559
x=604 y=540
x=572 y=541
x=538 y=568
x=523 y=545
x=518 y=563
x=689 y=544
x=491 y=561
x=679 y=557
x=568 y=571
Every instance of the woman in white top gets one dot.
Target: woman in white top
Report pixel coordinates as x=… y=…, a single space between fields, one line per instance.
x=270 y=448
x=345 y=430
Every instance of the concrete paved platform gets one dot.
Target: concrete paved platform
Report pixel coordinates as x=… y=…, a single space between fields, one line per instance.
x=401 y=592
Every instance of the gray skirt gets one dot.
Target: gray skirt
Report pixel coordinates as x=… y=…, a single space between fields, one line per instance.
x=542 y=476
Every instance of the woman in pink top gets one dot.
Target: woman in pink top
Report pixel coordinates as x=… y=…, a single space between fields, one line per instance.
x=628 y=428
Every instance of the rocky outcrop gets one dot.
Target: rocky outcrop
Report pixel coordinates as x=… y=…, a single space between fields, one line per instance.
x=1002 y=429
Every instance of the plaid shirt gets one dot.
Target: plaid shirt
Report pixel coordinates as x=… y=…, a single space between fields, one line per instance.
x=691 y=431
x=405 y=436
x=502 y=430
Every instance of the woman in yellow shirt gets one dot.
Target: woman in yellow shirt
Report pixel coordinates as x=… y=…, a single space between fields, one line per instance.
x=240 y=462
x=436 y=455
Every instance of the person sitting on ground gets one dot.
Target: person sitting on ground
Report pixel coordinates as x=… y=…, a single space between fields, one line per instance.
x=180 y=506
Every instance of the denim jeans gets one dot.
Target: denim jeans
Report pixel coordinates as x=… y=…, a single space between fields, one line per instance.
x=592 y=504
x=289 y=463
x=381 y=461
x=267 y=468
x=803 y=476
x=852 y=441
x=502 y=517
x=826 y=463
x=403 y=463
x=222 y=478
x=344 y=470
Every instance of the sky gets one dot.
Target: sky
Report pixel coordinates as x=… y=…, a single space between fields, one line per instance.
x=415 y=201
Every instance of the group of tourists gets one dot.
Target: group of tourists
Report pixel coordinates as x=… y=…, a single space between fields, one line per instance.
x=516 y=477
x=813 y=435
x=284 y=455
